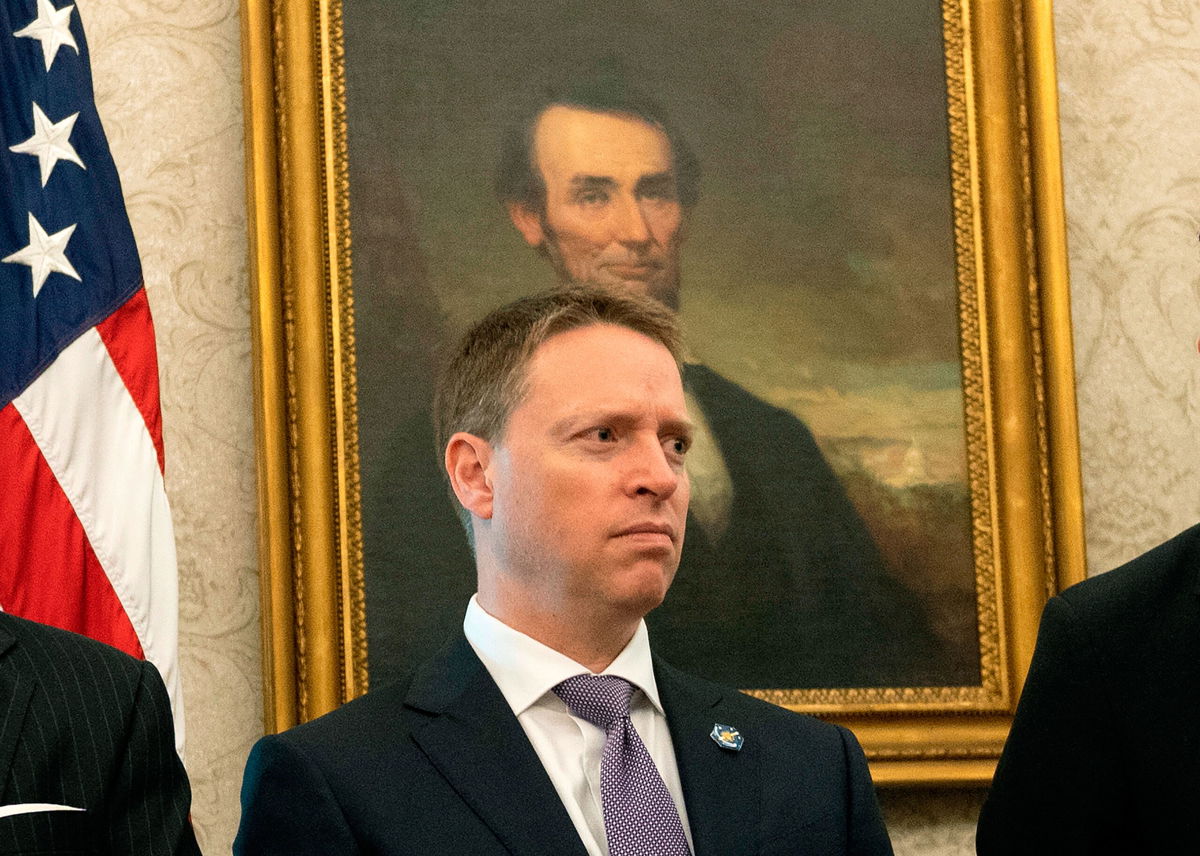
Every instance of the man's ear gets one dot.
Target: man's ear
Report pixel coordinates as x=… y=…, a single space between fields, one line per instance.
x=528 y=223
x=467 y=460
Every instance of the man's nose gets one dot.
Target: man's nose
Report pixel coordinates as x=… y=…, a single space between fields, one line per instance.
x=652 y=472
x=629 y=222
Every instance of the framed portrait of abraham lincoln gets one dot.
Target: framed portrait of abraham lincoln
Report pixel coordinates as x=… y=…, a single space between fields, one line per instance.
x=856 y=210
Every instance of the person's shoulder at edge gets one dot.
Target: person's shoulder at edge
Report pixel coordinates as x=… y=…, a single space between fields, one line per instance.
x=128 y=695
x=64 y=648
x=1141 y=584
x=1061 y=781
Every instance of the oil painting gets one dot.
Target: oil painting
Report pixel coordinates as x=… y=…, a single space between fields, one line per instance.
x=814 y=268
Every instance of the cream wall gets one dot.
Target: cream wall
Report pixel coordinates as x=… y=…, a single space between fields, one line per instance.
x=1130 y=107
x=168 y=79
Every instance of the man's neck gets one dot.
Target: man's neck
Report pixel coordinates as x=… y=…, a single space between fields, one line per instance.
x=592 y=641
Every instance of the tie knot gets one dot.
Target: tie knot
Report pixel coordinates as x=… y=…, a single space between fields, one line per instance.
x=600 y=699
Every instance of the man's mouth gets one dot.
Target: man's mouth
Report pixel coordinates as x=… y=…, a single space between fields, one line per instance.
x=650 y=533
x=634 y=270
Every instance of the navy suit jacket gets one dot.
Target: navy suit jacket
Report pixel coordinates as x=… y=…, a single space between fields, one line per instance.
x=439 y=764
x=84 y=725
x=1104 y=753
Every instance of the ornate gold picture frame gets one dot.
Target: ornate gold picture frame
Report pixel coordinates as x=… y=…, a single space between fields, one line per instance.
x=1018 y=386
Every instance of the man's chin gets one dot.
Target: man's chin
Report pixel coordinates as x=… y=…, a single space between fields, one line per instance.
x=650 y=591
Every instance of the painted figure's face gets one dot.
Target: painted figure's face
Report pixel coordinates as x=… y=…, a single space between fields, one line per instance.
x=612 y=214
x=589 y=490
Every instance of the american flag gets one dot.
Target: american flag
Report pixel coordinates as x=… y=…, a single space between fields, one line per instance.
x=86 y=542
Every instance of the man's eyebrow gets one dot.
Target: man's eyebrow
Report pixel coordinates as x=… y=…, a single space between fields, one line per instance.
x=684 y=427
x=573 y=421
x=657 y=182
x=593 y=182
x=619 y=419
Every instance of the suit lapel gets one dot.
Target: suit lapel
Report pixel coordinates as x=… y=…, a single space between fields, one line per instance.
x=721 y=788
x=476 y=743
x=14 y=701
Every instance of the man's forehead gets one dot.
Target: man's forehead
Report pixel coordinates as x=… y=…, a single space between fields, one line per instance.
x=594 y=140
x=610 y=355
x=599 y=372
x=599 y=335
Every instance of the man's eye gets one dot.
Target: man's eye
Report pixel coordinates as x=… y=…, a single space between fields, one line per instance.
x=678 y=445
x=591 y=197
x=605 y=435
x=658 y=190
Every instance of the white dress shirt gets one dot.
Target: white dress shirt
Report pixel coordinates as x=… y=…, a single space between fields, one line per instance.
x=570 y=748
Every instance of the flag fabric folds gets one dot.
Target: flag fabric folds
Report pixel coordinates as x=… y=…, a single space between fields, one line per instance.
x=86 y=541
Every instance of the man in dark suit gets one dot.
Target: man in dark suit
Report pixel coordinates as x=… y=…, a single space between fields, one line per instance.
x=87 y=751
x=1104 y=751
x=548 y=727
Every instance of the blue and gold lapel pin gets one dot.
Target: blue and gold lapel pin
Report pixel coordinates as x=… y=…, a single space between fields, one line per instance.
x=727 y=737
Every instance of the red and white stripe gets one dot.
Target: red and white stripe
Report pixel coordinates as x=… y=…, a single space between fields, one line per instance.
x=86 y=528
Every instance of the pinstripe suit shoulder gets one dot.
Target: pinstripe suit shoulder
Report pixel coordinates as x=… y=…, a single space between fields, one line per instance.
x=84 y=725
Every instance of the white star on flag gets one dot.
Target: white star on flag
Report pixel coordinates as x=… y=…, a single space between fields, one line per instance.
x=50 y=143
x=46 y=254
x=51 y=27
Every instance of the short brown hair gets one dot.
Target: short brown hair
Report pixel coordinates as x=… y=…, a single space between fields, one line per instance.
x=484 y=379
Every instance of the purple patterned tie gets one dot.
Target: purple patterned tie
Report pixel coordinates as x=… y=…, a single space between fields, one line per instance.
x=640 y=818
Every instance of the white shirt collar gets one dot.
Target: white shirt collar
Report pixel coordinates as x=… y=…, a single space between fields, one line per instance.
x=525 y=670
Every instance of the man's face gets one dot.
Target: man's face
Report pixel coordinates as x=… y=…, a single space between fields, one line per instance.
x=589 y=490
x=612 y=214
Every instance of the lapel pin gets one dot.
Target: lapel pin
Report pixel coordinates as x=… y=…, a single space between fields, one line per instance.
x=727 y=737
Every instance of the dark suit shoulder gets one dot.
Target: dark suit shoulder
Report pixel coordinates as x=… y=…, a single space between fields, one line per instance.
x=1147 y=607
x=443 y=742
x=308 y=789
x=807 y=779
x=376 y=714
x=1138 y=622
x=73 y=672
x=94 y=732
x=61 y=649
x=1168 y=571
x=1081 y=772
x=749 y=713
x=395 y=708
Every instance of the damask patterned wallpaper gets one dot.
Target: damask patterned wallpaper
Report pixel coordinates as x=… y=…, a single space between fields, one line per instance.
x=1129 y=77
x=168 y=78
